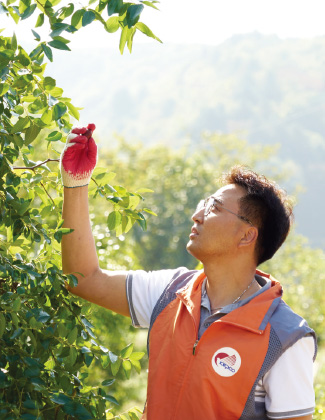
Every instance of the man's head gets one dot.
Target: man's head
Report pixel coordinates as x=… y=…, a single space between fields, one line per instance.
x=266 y=206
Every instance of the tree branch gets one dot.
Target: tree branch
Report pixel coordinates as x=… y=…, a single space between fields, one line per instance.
x=36 y=166
x=47 y=193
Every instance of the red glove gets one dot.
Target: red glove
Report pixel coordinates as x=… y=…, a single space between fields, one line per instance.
x=79 y=157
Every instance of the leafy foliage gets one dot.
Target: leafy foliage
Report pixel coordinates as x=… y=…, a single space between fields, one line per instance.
x=47 y=342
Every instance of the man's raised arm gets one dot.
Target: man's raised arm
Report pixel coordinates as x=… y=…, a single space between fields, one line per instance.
x=105 y=288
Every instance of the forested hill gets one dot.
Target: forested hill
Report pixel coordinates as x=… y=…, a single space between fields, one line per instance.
x=262 y=88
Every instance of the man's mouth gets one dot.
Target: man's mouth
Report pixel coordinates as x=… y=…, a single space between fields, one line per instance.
x=194 y=232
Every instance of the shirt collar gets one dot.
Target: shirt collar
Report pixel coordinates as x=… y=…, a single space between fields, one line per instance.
x=205 y=301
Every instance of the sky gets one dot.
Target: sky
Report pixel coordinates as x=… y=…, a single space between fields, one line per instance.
x=213 y=21
x=207 y=22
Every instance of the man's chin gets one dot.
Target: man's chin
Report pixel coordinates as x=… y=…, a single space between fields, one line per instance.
x=190 y=248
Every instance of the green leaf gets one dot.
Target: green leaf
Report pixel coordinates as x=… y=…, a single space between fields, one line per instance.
x=73 y=354
x=73 y=280
x=59 y=45
x=19 y=109
x=133 y=14
x=114 y=219
x=60 y=38
x=115 y=367
x=59 y=110
x=148 y=3
x=62 y=330
x=133 y=415
x=105 y=361
x=28 y=12
x=76 y=410
x=3 y=9
x=111 y=399
x=130 y=39
x=54 y=136
x=104 y=177
x=31 y=133
x=4 y=87
x=112 y=24
x=67 y=11
x=108 y=382
x=149 y=212
x=36 y=52
x=145 y=30
x=65 y=231
x=13 y=14
x=86 y=323
x=76 y=19
x=88 y=17
x=16 y=334
x=138 y=355
x=14 y=42
x=36 y=35
x=30 y=404
x=136 y=365
x=36 y=106
x=46 y=118
x=49 y=83
x=58 y=28
x=72 y=336
x=20 y=125
x=114 y=6
x=47 y=51
x=99 y=172
x=142 y=221
x=22 y=57
x=40 y=315
x=127 y=351
x=14 y=319
x=73 y=110
x=40 y=20
x=112 y=357
x=2 y=324
x=56 y=93
x=126 y=364
x=124 y=37
x=16 y=304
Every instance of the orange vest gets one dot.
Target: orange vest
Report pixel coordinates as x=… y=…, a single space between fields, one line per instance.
x=211 y=378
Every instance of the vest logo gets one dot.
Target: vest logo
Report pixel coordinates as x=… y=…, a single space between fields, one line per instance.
x=226 y=361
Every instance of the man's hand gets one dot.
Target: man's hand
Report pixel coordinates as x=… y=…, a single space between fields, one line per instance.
x=79 y=157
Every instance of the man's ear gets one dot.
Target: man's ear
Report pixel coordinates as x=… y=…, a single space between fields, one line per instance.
x=249 y=237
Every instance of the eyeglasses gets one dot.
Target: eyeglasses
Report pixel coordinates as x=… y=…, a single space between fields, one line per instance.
x=209 y=203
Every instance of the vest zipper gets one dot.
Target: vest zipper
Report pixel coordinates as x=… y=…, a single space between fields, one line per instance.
x=194 y=347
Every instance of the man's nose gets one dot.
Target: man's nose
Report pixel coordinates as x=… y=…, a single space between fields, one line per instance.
x=198 y=215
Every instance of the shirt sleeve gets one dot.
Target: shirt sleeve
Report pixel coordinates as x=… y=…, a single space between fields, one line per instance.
x=143 y=290
x=289 y=383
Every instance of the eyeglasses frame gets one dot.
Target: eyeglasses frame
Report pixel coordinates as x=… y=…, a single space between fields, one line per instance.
x=213 y=200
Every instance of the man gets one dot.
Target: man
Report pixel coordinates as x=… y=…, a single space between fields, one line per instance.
x=222 y=343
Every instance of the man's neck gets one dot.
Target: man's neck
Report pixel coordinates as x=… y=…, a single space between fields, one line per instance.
x=226 y=282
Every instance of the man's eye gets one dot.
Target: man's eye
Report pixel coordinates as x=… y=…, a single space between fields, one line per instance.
x=215 y=206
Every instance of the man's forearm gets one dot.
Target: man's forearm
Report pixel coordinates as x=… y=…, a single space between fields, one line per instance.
x=78 y=248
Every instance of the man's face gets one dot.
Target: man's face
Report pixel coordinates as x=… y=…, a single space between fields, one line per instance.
x=219 y=232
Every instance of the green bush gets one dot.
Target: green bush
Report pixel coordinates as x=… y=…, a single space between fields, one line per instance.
x=47 y=342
